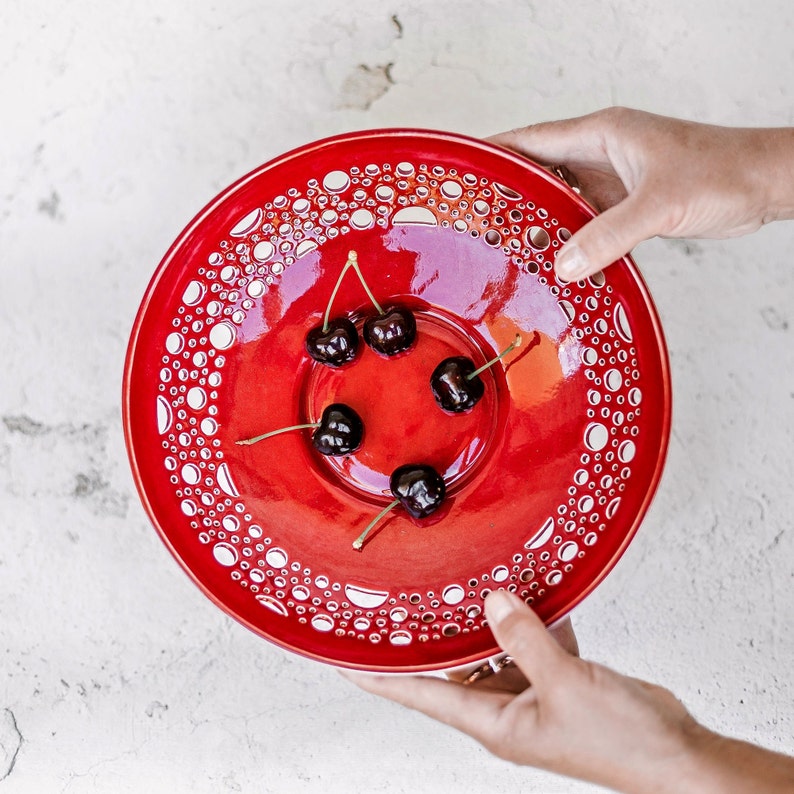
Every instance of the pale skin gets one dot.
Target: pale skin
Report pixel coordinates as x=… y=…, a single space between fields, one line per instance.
x=650 y=176
x=655 y=176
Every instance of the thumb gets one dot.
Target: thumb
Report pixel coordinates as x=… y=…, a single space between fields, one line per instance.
x=608 y=237
x=521 y=633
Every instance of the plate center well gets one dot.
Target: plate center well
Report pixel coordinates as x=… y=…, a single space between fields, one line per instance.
x=402 y=421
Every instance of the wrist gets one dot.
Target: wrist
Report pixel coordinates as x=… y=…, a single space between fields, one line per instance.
x=698 y=762
x=691 y=761
x=687 y=771
x=676 y=765
x=773 y=172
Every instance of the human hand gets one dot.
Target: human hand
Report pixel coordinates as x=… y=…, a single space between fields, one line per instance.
x=577 y=718
x=656 y=176
x=580 y=719
x=507 y=677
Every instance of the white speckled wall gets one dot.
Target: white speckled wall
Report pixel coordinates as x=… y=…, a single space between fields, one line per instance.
x=120 y=120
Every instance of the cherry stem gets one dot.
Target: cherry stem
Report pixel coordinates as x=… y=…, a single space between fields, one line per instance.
x=512 y=346
x=248 y=441
x=352 y=261
x=359 y=541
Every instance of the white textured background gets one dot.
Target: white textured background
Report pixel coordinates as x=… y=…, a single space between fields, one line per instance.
x=119 y=122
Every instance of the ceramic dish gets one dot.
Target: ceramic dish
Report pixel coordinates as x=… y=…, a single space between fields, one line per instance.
x=548 y=477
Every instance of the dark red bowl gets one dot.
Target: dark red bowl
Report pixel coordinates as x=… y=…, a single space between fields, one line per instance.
x=548 y=476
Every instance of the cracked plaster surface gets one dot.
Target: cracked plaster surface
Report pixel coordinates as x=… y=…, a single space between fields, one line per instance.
x=118 y=672
x=364 y=85
x=10 y=742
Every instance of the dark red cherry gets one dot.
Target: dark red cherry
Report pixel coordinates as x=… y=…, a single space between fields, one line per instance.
x=420 y=489
x=333 y=345
x=455 y=383
x=452 y=387
x=390 y=332
x=340 y=431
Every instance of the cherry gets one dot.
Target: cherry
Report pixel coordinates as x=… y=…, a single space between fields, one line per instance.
x=334 y=343
x=339 y=431
x=419 y=488
x=390 y=332
x=456 y=384
x=452 y=388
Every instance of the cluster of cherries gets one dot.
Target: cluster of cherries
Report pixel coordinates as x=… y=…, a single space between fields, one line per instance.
x=455 y=384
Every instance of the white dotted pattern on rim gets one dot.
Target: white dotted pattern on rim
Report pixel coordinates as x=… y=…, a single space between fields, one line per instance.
x=269 y=239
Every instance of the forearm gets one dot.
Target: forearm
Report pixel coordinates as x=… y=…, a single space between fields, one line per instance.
x=729 y=766
x=775 y=168
x=714 y=764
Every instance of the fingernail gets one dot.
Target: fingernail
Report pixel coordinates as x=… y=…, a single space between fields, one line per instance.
x=499 y=605
x=571 y=263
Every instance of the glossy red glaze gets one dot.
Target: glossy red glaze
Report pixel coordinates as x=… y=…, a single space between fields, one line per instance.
x=548 y=476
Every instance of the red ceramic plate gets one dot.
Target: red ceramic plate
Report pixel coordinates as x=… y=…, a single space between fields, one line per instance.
x=548 y=476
